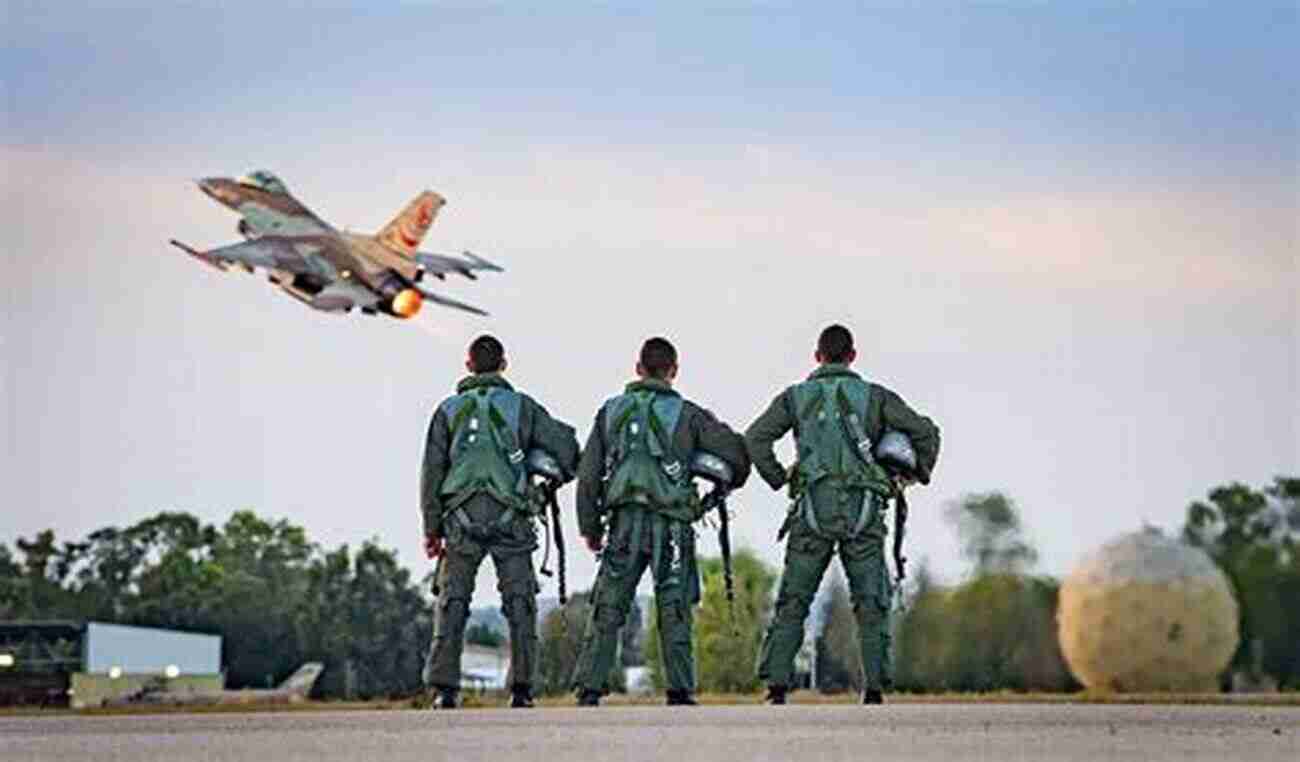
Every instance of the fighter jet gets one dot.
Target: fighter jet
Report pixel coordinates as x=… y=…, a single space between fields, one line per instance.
x=331 y=270
x=159 y=692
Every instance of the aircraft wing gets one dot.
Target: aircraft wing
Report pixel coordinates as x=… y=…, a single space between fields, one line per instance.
x=299 y=255
x=444 y=301
x=257 y=221
x=467 y=264
x=264 y=206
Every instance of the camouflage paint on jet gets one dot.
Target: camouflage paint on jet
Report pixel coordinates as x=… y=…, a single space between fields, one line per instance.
x=296 y=689
x=327 y=269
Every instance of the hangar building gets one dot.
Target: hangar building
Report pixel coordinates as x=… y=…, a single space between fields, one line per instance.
x=78 y=664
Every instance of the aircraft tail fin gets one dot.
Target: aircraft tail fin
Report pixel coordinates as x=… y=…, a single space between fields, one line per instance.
x=407 y=229
x=301 y=682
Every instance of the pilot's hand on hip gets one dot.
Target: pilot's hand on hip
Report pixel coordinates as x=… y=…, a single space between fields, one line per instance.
x=433 y=547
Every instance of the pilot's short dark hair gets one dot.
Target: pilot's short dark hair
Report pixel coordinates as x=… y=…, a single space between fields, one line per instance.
x=835 y=344
x=658 y=356
x=486 y=355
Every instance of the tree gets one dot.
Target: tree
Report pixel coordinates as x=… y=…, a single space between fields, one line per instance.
x=838 y=651
x=561 y=642
x=482 y=635
x=43 y=585
x=1254 y=536
x=275 y=598
x=725 y=644
x=919 y=634
x=727 y=638
x=13 y=588
x=988 y=528
x=996 y=631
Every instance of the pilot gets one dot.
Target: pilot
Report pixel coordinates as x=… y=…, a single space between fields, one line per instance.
x=474 y=500
x=839 y=495
x=636 y=504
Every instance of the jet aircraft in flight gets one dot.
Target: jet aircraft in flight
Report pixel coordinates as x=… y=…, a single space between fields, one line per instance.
x=333 y=270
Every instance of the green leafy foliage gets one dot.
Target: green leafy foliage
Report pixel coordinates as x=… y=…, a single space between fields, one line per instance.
x=838 y=653
x=988 y=527
x=561 y=635
x=996 y=631
x=1254 y=536
x=726 y=639
x=483 y=635
x=276 y=599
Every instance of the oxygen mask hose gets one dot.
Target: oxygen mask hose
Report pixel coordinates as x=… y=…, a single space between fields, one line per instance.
x=551 y=489
x=718 y=499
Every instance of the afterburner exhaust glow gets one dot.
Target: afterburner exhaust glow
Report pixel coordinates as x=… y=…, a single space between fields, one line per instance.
x=407 y=303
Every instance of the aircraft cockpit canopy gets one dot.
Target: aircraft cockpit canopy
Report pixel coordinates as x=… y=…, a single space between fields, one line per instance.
x=265 y=181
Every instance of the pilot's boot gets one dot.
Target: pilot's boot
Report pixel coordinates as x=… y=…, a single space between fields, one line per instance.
x=448 y=698
x=589 y=698
x=521 y=697
x=872 y=696
x=776 y=695
x=681 y=698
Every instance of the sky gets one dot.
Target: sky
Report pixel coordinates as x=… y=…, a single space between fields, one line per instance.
x=1069 y=235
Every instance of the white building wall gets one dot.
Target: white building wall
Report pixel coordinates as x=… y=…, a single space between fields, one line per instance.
x=144 y=650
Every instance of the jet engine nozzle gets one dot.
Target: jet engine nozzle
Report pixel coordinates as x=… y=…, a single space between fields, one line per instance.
x=406 y=303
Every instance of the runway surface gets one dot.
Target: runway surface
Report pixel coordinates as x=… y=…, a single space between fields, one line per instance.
x=944 y=732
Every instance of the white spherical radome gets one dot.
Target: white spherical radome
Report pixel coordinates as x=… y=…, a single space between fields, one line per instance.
x=1147 y=613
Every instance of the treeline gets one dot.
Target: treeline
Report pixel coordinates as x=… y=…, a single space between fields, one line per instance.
x=997 y=630
x=276 y=598
x=279 y=600
x=1254 y=536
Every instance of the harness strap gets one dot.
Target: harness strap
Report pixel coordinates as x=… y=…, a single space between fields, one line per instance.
x=853 y=426
x=509 y=442
x=870 y=507
x=480 y=530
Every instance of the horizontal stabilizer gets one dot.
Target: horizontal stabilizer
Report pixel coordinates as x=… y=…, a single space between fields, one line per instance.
x=440 y=264
x=444 y=301
x=481 y=263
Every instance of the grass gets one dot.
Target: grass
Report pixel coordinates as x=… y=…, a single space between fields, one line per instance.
x=999 y=697
x=499 y=700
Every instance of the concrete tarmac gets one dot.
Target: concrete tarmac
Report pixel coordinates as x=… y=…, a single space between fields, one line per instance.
x=941 y=732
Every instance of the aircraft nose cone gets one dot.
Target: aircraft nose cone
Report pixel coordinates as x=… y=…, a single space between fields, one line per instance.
x=216 y=188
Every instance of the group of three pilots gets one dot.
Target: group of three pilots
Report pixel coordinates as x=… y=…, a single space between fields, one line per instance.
x=636 y=504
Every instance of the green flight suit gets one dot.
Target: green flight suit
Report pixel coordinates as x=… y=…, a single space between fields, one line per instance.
x=482 y=525
x=834 y=521
x=642 y=536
